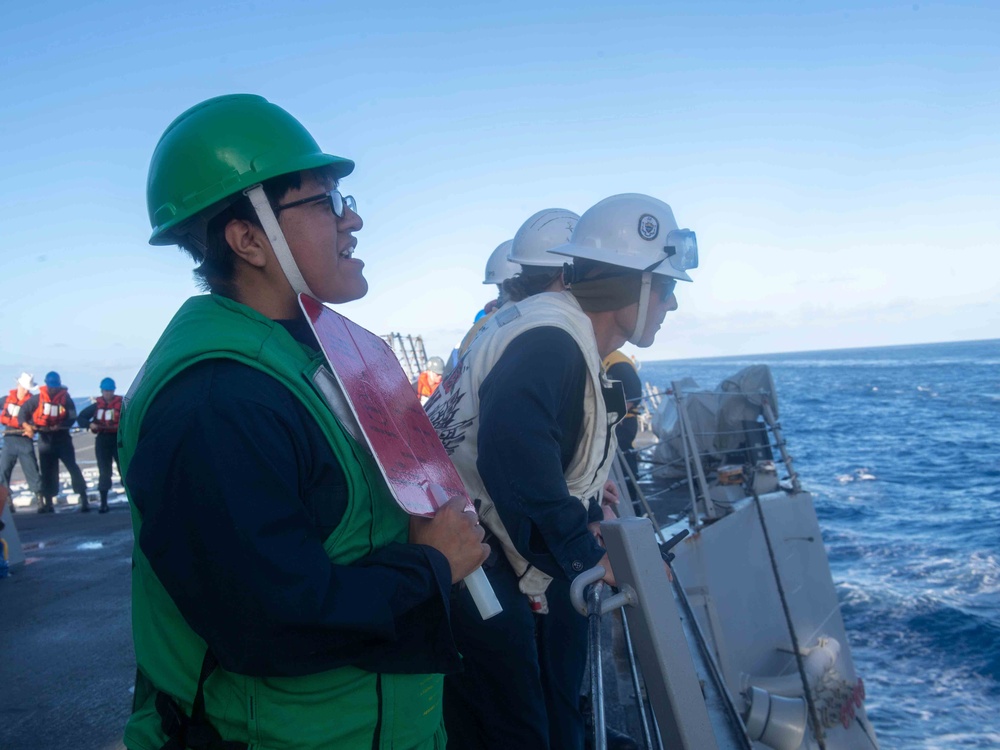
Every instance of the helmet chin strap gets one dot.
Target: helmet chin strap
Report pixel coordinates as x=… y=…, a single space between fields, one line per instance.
x=640 y=318
x=283 y=253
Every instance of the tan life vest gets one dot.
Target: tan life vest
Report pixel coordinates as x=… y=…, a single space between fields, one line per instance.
x=454 y=412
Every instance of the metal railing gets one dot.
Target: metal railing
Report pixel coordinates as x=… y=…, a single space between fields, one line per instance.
x=689 y=704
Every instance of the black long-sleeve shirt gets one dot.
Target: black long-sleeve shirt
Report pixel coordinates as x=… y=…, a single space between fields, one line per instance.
x=531 y=412
x=86 y=415
x=238 y=490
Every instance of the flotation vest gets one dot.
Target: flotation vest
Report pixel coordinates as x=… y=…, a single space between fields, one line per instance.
x=615 y=358
x=344 y=708
x=108 y=413
x=11 y=416
x=454 y=412
x=425 y=386
x=51 y=411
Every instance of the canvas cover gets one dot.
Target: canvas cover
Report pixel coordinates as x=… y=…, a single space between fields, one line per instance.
x=716 y=417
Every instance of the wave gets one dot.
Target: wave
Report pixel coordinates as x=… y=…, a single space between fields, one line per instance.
x=906 y=485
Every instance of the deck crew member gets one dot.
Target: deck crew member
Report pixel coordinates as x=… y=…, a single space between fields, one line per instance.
x=528 y=269
x=538 y=271
x=102 y=418
x=52 y=414
x=541 y=271
x=281 y=598
x=498 y=270
x=17 y=439
x=527 y=418
x=621 y=368
x=430 y=379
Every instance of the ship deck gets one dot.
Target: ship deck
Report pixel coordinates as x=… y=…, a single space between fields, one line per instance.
x=68 y=666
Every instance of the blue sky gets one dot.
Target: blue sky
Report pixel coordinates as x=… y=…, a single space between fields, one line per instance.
x=840 y=162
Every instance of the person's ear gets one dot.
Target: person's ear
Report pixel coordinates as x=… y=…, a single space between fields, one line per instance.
x=248 y=241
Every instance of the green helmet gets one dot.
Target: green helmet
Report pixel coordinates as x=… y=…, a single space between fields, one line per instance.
x=220 y=148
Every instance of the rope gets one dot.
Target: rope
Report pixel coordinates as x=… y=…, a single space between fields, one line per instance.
x=813 y=714
x=865 y=730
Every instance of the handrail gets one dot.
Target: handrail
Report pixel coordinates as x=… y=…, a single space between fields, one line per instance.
x=578 y=594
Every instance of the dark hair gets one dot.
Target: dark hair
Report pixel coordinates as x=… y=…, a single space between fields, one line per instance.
x=218 y=261
x=531 y=281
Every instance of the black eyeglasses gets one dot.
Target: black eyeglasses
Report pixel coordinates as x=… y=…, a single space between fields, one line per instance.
x=667 y=288
x=337 y=202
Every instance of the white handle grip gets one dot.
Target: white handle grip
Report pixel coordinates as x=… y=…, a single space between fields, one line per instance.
x=482 y=594
x=477 y=582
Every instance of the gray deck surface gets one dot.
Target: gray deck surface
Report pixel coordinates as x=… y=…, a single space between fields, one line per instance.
x=66 y=658
x=67 y=664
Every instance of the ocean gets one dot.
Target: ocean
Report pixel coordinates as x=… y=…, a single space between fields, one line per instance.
x=901 y=448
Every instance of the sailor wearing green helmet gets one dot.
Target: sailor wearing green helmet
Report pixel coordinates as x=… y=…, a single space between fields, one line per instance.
x=280 y=598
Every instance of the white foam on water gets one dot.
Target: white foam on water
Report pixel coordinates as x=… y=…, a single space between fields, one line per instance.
x=985 y=567
x=962 y=739
x=90 y=545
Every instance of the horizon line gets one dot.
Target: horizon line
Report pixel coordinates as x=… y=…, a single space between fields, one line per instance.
x=820 y=351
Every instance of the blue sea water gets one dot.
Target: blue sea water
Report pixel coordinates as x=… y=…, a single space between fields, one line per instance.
x=901 y=447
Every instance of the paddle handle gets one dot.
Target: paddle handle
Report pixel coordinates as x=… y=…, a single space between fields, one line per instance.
x=482 y=594
x=478 y=584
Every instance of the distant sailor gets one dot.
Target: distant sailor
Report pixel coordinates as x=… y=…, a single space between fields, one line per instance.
x=430 y=379
x=281 y=599
x=527 y=268
x=17 y=440
x=498 y=270
x=52 y=414
x=102 y=417
x=527 y=417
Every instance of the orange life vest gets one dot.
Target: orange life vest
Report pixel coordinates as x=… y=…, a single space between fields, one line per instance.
x=51 y=411
x=108 y=413
x=12 y=409
x=427 y=383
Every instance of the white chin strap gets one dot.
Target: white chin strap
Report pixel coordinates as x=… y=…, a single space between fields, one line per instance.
x=277 y=238
x=640 y=318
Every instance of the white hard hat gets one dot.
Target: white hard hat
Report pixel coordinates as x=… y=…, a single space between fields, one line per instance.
x=498 y=268
x=541 y=233
x=633 y=231
x=26 y=381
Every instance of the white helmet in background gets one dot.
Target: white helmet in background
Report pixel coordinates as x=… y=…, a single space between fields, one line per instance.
x=539 y=234
x=634 y=231
x=498 y=268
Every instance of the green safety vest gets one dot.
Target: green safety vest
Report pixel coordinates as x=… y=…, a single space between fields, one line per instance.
x=340 y=708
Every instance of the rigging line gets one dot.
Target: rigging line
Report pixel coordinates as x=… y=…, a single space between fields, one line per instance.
x=636 y=687
x=813 y=714
x=865 y=730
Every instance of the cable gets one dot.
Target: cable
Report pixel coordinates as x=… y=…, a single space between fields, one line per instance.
x=813 y=714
